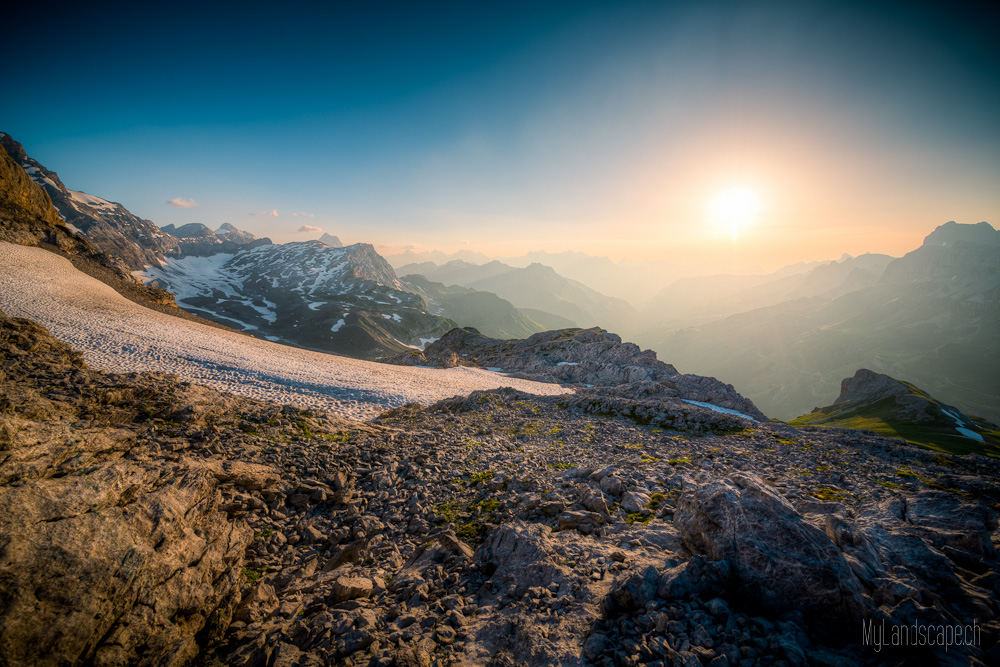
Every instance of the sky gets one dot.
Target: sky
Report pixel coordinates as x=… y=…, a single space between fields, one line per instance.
x=602 y=127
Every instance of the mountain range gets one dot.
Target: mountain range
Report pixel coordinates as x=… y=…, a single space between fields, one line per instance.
x=319 y=294
x=783 y=339
x=537 y=290
x=931 y=318
x=695 y=300
x=346 y=300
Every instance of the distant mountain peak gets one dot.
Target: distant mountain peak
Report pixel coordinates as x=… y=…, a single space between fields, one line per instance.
x=540 y=269
x=952 y=233
x=331 y=240
x=229 y=232
x=190 y=230
x=867 y=385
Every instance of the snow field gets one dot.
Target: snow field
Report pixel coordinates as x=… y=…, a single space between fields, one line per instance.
x=119 y=336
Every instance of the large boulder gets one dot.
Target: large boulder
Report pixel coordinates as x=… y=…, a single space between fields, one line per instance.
x=111 y=555
x=116 y=564
x=779 y=559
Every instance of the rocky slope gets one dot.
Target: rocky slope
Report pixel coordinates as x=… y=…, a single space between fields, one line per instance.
x=609 y=376
x=133 y=242
x=344 y=300
x=895 y=408
x=115 y=543
x=109 y=226
x=496 y=529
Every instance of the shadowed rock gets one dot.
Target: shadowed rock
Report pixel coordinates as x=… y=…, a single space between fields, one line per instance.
x=779 y=559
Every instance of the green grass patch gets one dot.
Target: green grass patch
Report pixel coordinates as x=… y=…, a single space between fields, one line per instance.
x=481 y=476
x=655 y=500
x=831 y=493
x=448 y=512
x=638 y=517
x=882 y=417
x=254 y=575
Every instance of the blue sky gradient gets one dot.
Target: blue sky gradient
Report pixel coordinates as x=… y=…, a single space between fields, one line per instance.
x=601 y=127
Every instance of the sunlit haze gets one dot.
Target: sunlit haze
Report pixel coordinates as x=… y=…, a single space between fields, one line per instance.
x=652 y=131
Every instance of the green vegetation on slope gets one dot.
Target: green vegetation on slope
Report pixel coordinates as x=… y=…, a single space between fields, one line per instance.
x=884 y=417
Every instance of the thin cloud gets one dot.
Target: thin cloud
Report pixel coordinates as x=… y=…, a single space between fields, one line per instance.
x=180 y=202
x=309 y=229
x=303 y=215
x=269 y=214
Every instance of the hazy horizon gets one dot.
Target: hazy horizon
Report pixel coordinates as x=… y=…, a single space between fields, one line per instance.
x=612 y=129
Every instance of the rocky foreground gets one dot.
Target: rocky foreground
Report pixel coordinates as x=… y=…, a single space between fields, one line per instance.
x=148 y=521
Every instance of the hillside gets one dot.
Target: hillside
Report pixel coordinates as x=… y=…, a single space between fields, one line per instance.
x=932 y=318
x=471 y=308
x=894 y=408
x=536 y=287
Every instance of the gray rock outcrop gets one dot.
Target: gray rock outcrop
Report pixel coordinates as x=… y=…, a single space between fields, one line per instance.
x=778 y=558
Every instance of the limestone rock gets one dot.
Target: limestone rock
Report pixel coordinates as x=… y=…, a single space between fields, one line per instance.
x=777 y=556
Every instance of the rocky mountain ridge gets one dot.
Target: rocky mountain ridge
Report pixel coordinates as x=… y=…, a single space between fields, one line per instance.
x=608 y=374
x=346 y=300
x=117 y=232
x=109 y=226
x=28 y=217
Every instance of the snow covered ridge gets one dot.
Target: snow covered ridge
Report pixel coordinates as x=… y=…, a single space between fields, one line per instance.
x=343 y=300
x=117 y=335
x=92 y=201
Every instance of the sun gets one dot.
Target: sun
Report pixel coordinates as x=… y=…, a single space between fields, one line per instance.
x=734 y=209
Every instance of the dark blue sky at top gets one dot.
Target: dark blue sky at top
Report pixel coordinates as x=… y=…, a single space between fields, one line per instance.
x=283 y=104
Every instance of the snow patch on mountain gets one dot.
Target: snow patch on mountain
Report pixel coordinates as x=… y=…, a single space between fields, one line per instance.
x=91 y=201
x=725 y=411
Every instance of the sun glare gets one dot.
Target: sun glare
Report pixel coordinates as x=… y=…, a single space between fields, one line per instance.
x=734 y=209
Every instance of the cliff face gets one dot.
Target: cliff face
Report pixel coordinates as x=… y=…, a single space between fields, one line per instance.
x=110 y=556
x=109 y=226
x=27 y=215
